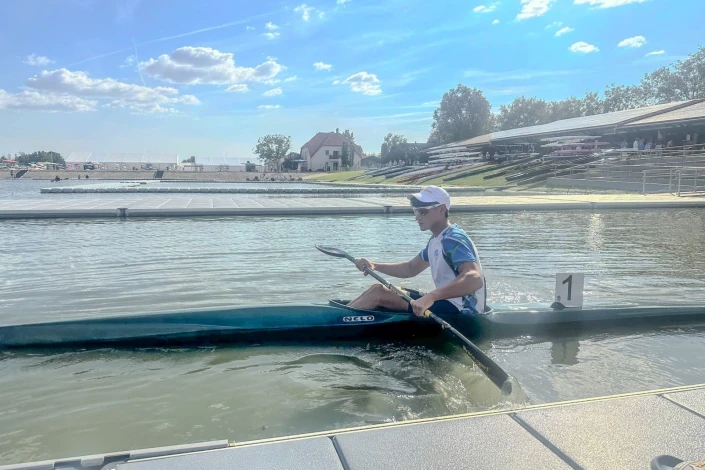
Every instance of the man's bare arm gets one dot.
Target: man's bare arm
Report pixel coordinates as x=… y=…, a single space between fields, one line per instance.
x=404 y=269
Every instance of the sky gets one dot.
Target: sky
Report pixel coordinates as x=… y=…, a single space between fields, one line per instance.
x=209 y=78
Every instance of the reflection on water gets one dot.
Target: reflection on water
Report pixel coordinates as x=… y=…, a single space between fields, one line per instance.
x=63 y=403
x=565 y=351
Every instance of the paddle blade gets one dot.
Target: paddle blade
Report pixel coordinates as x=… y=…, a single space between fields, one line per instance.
x=338 y=253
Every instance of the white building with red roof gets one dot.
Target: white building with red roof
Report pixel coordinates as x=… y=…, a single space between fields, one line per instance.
x=323 y=152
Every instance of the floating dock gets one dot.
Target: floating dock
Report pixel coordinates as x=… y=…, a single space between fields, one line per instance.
x=167 y=206
x=606 y=433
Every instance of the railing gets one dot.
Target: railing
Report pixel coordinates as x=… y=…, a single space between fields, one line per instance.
x=688 y=180
x=654 y=181
x=674 y=170
x=673 y=180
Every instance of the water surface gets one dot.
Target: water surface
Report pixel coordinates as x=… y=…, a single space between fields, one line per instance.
x=63 y=403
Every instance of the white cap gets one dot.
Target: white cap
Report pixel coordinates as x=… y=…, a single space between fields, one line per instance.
x=430 y=195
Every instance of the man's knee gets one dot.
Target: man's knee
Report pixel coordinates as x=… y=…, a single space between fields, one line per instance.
x=379 y=291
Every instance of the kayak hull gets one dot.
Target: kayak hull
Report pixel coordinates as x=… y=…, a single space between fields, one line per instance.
x=247 y=324
x=326 y=322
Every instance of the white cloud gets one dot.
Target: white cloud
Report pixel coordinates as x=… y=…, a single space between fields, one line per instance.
x=51 y=102
x=636 y=41
x=250 y=28
x=204 y=65
x=136 y=97
x=80 y=84
x=130 y=61
x=583 y=47
x=270 y=35
x=607 y=3
x=269 y=106
x=37 y=60
x=271 y=26
x=485 y=8
x=306 y=12
x=273 y=92
x=495 y=22
x=322 y=66
x=534 y=8
x=362 y=82
x=143 y=108
x=342 y=2
x=290 y=79
x=272 y=82
x=660 y=52
x=555 y=24
x=238 y=88
x=563 y=31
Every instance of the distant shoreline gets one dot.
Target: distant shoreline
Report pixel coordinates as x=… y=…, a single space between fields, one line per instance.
x=219 y=176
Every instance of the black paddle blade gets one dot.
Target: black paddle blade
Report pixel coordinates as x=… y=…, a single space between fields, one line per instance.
x=329 y=250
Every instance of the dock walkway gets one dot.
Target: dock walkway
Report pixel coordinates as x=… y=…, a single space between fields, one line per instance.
x=617 y=432
x=181 y=206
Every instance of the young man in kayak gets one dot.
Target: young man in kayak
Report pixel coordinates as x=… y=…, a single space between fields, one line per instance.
x=455 y=265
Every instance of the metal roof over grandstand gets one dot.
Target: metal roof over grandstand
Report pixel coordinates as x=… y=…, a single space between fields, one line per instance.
x=112 y=157
x=603 y=124
x=679 y=116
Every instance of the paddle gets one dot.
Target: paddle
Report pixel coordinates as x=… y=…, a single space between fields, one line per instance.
x=493 y=372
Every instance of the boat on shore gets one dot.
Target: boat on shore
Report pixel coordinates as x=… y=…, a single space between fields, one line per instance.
x=327 y=321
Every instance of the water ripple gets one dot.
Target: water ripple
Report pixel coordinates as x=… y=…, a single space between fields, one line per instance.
x=80 y=402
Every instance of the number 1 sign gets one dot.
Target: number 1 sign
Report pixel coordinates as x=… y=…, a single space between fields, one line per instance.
x=569 y=289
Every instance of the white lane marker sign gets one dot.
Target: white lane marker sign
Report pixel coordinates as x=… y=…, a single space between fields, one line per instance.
x=569 y=289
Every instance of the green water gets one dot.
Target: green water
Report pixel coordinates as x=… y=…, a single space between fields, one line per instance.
x=63 y=403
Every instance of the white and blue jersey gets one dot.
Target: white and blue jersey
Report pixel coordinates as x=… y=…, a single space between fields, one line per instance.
x=445 y=253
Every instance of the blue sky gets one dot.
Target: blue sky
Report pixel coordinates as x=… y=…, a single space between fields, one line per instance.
x=208 y=78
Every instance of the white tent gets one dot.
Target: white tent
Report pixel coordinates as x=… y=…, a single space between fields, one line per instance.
x=221 y=163
x=123 y=161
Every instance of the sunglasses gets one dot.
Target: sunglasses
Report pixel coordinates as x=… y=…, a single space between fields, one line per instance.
x=422 y=211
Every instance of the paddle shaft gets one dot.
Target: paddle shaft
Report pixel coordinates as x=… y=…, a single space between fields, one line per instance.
x=493 y=371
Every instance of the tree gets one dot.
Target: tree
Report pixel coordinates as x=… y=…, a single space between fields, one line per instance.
x=349 y=135
x=290 y=161
x=463 y=113
x=391 y=141
x=272 y=148
x=191 y=159
x=592 y=104
x=686 y=80
x=523 y=112
x=566 y=109
x=347 y=155
x=620 y=98
x=41 y=156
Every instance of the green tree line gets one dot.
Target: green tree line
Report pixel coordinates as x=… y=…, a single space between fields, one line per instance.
x=465 y=112
x=24 y=159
